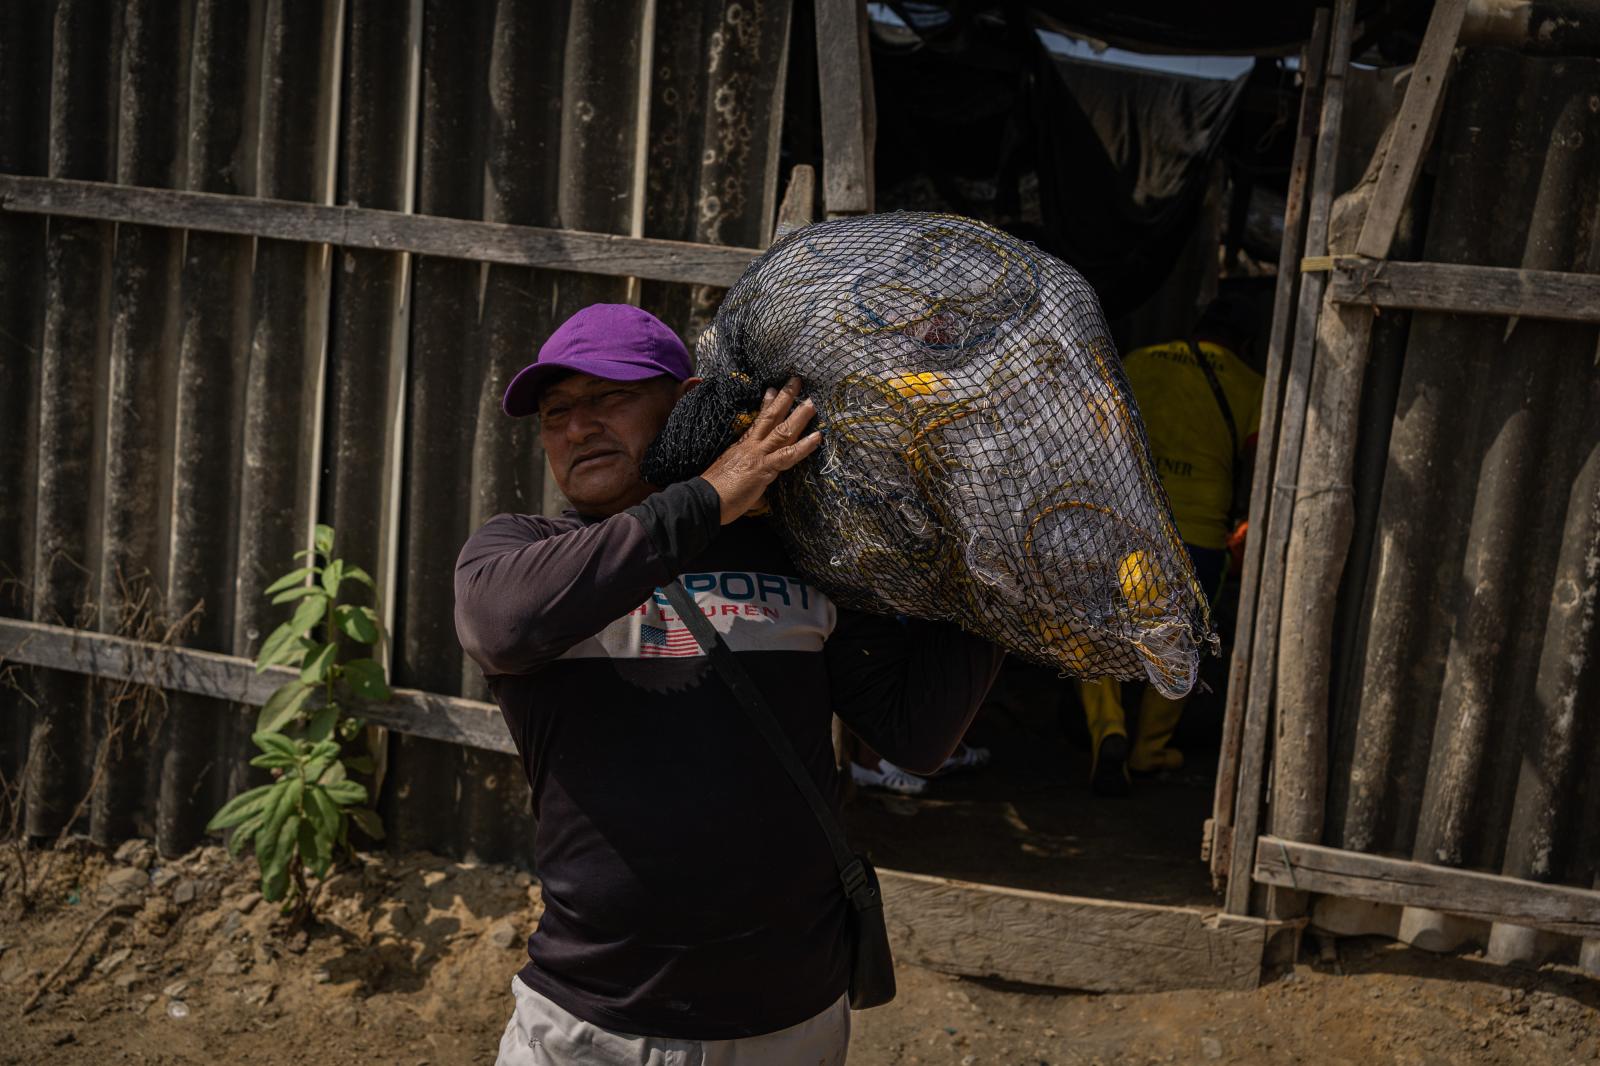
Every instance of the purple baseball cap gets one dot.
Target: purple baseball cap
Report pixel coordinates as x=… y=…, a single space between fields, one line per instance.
x=618 y=342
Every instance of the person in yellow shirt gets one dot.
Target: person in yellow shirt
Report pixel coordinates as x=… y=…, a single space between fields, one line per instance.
x=1201 y=405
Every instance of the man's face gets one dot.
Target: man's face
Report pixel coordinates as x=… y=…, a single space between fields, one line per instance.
x=595 y=433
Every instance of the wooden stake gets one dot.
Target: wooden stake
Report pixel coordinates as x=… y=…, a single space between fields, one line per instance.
x=1314 y=62
x=1419 y=113
x=1285 y=465
x=1321 y=515
x=845 y=84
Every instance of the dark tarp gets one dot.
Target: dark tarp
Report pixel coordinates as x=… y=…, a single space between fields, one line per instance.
x=1121 y=155
x=1243 y=27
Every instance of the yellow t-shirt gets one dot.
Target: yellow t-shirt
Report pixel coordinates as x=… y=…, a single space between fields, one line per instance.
x=1188 y=435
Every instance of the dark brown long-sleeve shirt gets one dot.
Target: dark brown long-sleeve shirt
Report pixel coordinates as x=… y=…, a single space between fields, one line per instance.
x=688 y=891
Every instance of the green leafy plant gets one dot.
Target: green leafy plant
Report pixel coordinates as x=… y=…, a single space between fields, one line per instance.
x=300 y=820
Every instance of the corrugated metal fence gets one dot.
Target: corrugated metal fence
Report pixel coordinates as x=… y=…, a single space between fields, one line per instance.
x=1421 y=664
x=1464 y=729
x=178 y=408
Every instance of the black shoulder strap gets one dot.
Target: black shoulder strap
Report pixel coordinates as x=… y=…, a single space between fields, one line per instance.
x=851 y=872
x=1216 y=390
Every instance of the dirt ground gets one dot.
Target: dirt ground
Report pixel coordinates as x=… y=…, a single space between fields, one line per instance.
x=183 y=963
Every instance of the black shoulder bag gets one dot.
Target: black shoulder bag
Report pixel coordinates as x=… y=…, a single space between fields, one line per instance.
x=871 y=963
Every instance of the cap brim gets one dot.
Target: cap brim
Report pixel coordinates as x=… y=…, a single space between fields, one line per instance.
x=522 y=395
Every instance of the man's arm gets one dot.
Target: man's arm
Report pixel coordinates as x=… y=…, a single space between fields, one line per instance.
x=525 y=592
x=909 y=689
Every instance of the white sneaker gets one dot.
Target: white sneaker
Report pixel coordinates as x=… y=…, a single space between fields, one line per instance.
x=888 y=776
x=966 y=757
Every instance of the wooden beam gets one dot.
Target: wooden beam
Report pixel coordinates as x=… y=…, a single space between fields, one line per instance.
x=845 y=84
x=1224 y=803
x=1413 y=130
x=1468 y=290
x=1039 y=938
x=228 y=677
x=1487 y=897
x=1285 y=464
x=798 y=208
x=392 y=231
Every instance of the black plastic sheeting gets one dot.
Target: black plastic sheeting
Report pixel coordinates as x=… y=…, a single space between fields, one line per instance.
x=177 y=410
x=1122 y=157
x=1244 y=27
x=1464 y=730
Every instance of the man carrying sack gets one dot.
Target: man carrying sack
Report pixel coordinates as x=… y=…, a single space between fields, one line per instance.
x=699 y=897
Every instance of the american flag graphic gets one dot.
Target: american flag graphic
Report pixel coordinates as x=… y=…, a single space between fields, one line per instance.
x=676 y=643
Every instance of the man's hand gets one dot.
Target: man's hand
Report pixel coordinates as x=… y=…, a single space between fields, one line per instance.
x=768 y=448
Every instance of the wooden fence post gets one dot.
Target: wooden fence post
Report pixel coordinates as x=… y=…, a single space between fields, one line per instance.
x=1284 y=464
x=1322 y=509
x=849 y=122
x=1224 y=809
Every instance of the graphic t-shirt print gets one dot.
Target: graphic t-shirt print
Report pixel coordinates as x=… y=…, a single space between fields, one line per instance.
x=753 y=611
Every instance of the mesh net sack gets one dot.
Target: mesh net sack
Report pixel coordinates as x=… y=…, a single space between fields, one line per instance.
x=982 y=459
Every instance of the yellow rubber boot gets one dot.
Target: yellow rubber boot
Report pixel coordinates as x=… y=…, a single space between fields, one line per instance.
x=1108 y=736
x=1158 y=718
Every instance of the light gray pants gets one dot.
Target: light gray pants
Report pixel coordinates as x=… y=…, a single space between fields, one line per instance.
x=542 y=1034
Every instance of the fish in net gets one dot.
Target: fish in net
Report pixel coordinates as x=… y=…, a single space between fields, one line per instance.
x=982 y=460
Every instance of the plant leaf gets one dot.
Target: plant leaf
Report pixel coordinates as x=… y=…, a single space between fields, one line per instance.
x=273 y=761
x=357 y=623
x=308 y=614
x=240 y=808
x=365 y=678
x=281 y=646
x=274 y=743
x=283 y=706
x=246 y=832
x=321 y=725
x=355 y=573
x=316 y=849
x=266 y=840
x=345 y=793
x=322 y=809
x=332 y=575
x=292 y=578
x=361 y=764
x=275 y=871
x=324 y=538
x=368 y=820
x=298 y=592
x=317 y=664
x=270 y=836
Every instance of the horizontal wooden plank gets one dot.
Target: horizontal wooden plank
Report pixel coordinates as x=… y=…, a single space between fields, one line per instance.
x=1490 y=897
x=1068 y=942
x=360 y=227
x=228 y=677
x=1467 y=290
